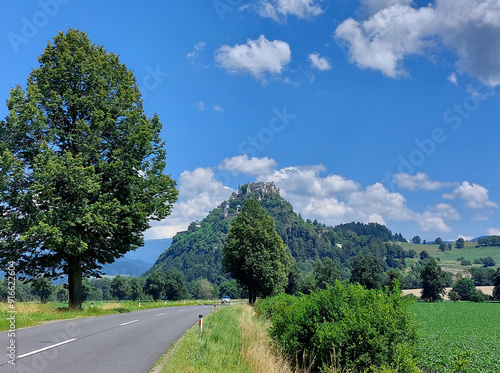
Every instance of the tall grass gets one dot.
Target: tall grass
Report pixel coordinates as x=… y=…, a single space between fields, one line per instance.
x=217 y=349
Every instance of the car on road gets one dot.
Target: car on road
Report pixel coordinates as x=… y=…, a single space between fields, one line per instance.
x=226 y=299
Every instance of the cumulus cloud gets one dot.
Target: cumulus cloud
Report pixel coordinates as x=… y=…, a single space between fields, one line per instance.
x=419 y=181
x=371 y=7
x=317 y=194
x=452 y=78
x=395 y=30
x=199 y=193
x=257 y=57
x=474 y=195
x=249 y=166
x=320 y=63
x=278 y=10
x=493 y=231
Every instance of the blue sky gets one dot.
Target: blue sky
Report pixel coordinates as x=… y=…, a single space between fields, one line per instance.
x=373 y=110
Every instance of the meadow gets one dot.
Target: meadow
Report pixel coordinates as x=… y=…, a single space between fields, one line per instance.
x=448 y=258
x=459 y=336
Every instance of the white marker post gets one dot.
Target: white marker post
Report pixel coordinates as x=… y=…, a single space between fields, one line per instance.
x=200 y=325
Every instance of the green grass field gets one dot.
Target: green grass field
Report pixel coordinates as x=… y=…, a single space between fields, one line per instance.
x=452 y=330
x=448 y=258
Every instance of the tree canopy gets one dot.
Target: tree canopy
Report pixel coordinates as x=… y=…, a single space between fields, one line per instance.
x=81 y=165
x=433 y=282
x=255 y=254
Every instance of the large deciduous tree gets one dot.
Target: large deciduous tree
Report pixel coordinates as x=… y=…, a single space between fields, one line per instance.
x=81 y=165
x=255 y=254
x=433 y=282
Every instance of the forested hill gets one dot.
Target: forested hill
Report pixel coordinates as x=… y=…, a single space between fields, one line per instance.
x=197 y=252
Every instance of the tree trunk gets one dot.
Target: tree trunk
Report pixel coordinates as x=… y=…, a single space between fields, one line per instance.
x=75 y=283
x=252 y=296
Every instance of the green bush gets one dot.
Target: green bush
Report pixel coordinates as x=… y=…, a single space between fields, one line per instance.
x=346 y=326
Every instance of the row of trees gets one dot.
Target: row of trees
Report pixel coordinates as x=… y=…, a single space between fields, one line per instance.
x=434 y=283
x=459 y=243
x=157 y=286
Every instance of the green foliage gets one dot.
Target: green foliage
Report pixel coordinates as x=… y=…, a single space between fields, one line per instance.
x=367 y=270
x=460 y=243
x=120 y=288
x=175 y=287
x=464 y=288
x=433 y=282
x=371 y=229
x=155 y=285
x=232 y=289
x=486 y=262
x=363 y=329
x=82 y=165
x=326 y=272
x=205 y=290
x=453 y=295
x=43 y=288
x=482 y=276
x=255 y=254
x=489 y=241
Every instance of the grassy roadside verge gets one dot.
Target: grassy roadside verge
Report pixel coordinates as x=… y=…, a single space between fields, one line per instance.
x=33 y=314
x=233 y=340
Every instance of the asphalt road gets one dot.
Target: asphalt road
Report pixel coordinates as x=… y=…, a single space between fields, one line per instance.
x=126 y=343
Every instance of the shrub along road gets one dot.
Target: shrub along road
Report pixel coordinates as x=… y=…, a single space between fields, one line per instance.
x=127 y=342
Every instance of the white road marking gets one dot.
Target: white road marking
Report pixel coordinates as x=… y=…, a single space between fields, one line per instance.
x=161 y=314
x=129 y=322
x=46 y=348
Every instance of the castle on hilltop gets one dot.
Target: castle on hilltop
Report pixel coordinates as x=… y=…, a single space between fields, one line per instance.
x=262 y=188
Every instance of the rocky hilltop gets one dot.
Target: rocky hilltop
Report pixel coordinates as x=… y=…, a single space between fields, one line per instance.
x=197 y=252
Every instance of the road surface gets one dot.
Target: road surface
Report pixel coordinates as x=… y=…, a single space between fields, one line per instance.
x=126 y=343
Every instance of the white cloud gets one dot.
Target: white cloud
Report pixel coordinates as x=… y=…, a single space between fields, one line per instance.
x=199 y=193
x=200 y=105
x=419 y=181
x=475 y=195
x=249 y=166
x=395 y=30
x=316 y=194
x=320 y=63
x=452 y=78
x=371 y=7
x=278 y=10
x=256 y=57
x=196 y=56
x=218 y=108
x=493 y=232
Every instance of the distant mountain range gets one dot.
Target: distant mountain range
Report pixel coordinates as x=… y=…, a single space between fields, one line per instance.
x=135 y=263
